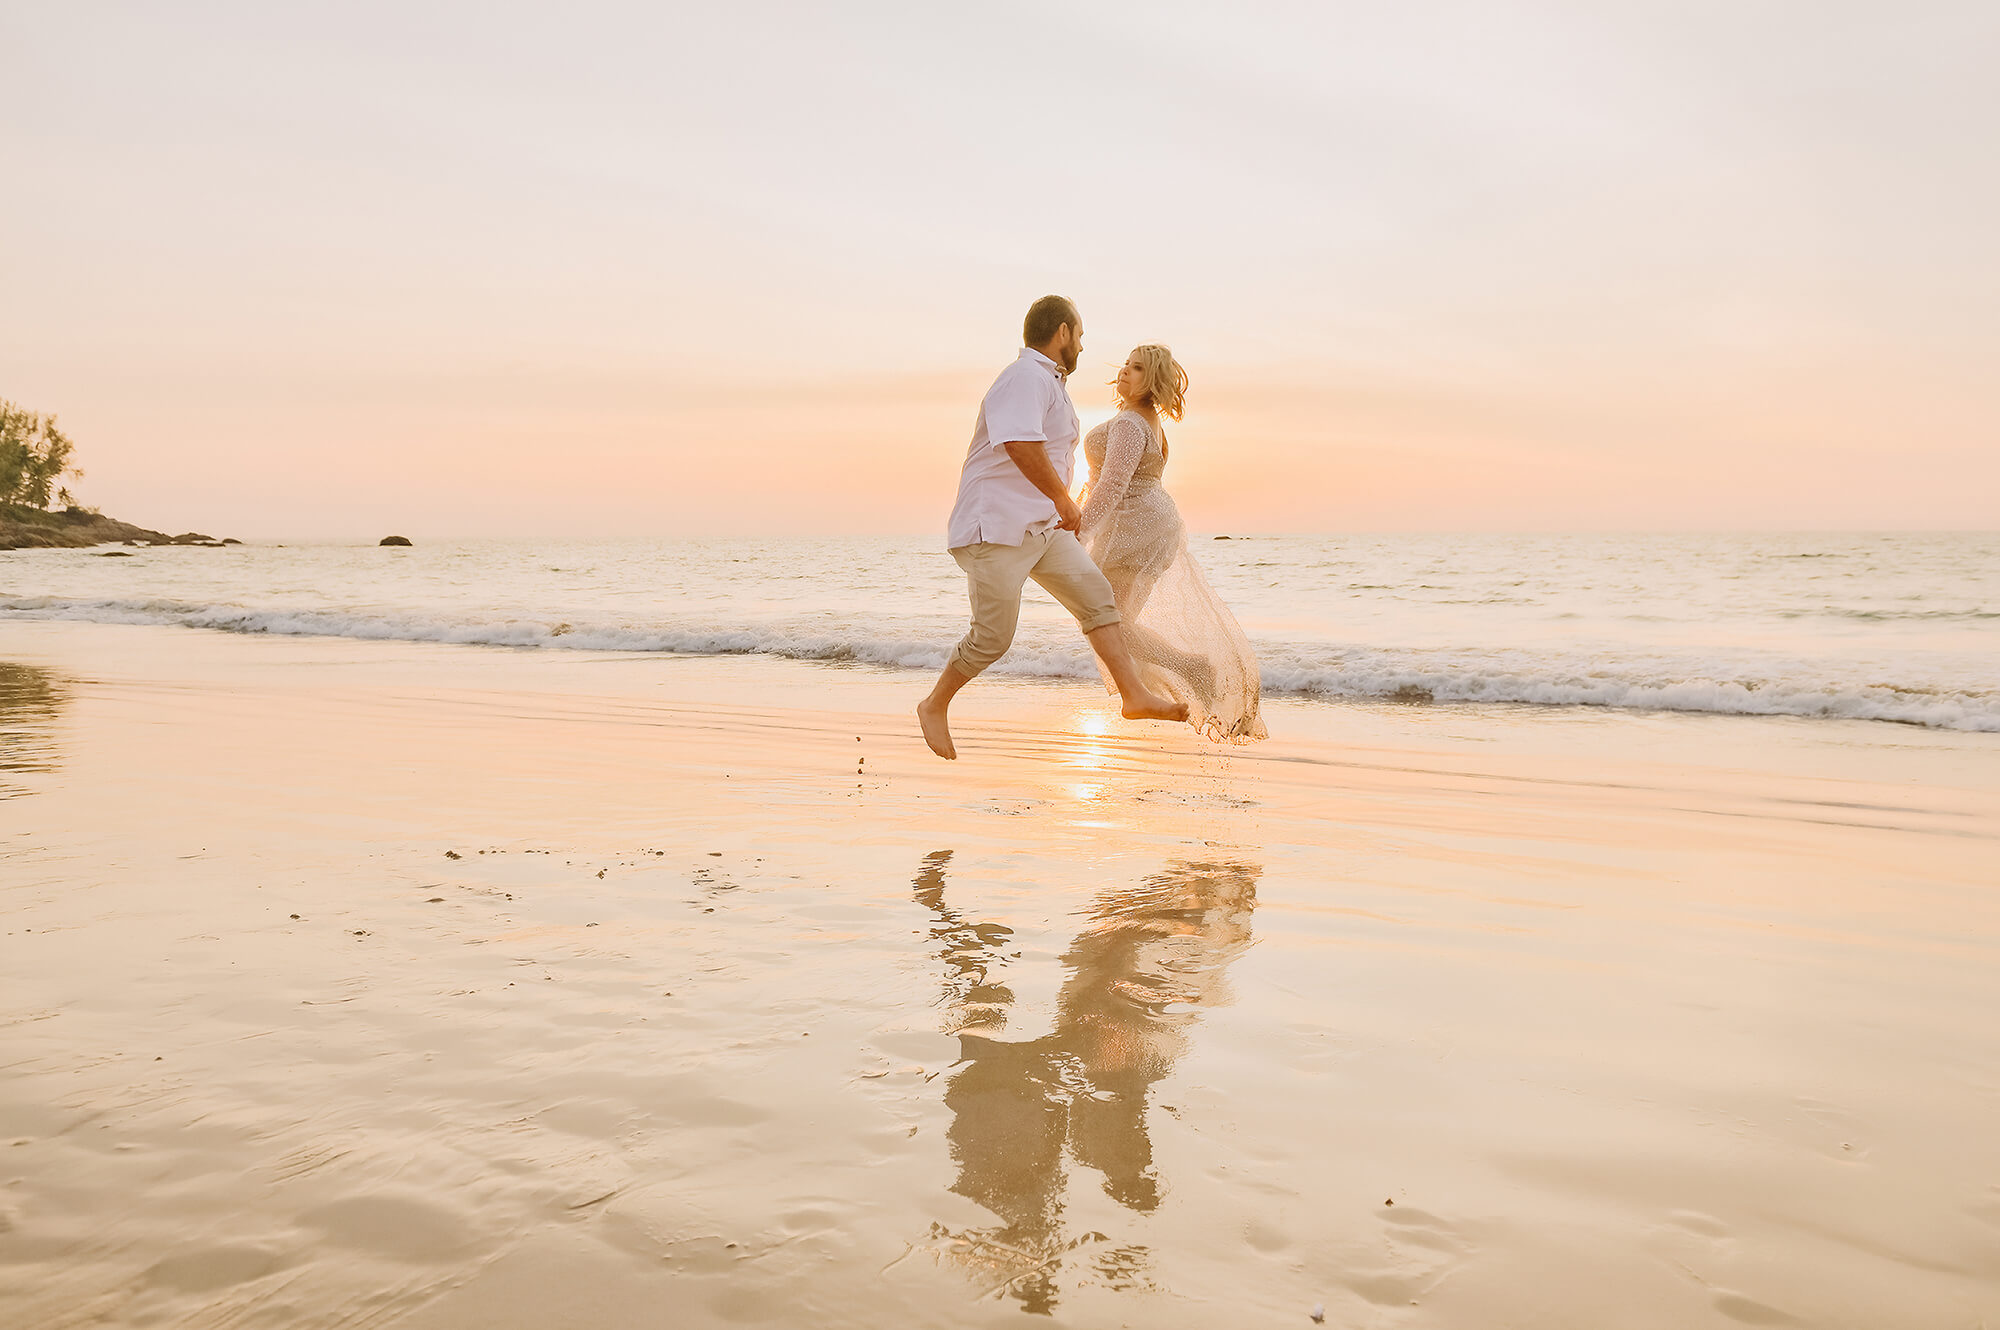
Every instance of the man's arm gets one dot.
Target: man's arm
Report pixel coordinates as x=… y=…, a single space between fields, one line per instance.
x=1033 y=459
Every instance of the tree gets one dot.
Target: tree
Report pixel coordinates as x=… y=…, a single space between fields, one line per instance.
x=34 y=457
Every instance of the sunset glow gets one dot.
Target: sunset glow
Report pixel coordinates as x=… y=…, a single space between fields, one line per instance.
x=634 y=270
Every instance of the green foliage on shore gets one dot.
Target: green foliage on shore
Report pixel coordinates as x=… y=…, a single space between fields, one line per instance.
x=34 y=457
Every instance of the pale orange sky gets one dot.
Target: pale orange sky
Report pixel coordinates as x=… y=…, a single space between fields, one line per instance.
x=632 y=269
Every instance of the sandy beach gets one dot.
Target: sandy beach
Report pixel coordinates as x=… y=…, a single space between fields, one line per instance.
x=355 y=984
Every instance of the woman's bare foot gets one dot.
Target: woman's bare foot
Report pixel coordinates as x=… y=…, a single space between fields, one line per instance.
x=1151 y=706
x=937 y=730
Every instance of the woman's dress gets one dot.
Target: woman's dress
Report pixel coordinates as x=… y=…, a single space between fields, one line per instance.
x=1184 y=639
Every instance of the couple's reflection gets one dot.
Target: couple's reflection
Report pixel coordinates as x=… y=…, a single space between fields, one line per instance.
x=30 y=701
x=1148 y=959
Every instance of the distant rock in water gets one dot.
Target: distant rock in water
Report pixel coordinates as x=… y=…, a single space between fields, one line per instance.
x=393 y=540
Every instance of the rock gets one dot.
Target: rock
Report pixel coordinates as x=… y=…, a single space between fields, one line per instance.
x=393 y=540
x=114 y=554
x=231 y=540
x=76 y=528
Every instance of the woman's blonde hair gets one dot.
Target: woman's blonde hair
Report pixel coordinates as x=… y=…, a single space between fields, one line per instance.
x=1163 y=380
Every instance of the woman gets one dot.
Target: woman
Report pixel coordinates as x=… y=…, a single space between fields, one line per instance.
x=1183 y=638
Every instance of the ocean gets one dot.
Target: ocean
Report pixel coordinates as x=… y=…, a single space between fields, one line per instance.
x=1879 y=627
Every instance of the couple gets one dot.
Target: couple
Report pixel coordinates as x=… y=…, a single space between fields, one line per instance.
x=1165 y=643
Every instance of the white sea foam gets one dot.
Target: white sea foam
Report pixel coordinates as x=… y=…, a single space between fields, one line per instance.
x=1377 y=674
x=1310 y=670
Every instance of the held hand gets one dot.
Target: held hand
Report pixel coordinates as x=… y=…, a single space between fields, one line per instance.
x=1069 y=517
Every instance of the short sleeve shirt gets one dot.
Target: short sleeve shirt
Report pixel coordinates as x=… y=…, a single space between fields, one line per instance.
x=1028 y=403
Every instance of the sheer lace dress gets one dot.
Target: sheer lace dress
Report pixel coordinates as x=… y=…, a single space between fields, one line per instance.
x=1186 y=642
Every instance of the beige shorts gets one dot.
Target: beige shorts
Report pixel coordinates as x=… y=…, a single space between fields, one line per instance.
x=994 y=575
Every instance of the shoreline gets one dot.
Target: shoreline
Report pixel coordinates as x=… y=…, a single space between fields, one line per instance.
x=1394 y=685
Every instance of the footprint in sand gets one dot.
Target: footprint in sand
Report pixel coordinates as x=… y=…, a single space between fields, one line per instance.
x=1719 y=1240
x=1421 y=1247
x=403 y=1228
x=205 y=1269
x=1694 y=1221
x=1736 y=1306
x=1266 y=1238
x=1750 y=1311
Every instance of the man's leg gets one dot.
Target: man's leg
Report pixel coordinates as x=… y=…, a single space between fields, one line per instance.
x=993 y=578
x=931 y=712
x=1068 y=574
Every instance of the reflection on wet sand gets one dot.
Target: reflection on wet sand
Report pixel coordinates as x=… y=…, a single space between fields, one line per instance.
x=1150 y=957
x=30 y=701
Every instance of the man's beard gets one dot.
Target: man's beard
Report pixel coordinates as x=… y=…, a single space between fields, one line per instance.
x=1069 y=359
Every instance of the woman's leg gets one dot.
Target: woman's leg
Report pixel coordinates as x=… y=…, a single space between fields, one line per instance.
x=1197 y=671
x=1068 y=574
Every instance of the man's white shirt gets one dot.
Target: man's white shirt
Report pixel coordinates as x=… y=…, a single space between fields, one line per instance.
x=1028 y=403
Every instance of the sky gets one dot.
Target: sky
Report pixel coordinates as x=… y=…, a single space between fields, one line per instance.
x=328 y=271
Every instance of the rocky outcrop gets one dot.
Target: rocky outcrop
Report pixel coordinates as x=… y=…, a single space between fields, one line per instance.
x=76 y=528
x=393 y=540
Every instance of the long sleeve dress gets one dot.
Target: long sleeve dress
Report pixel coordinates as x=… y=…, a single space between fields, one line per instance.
x=1184 y=639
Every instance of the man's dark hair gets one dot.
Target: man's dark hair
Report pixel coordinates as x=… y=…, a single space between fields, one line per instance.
x=1045 y=316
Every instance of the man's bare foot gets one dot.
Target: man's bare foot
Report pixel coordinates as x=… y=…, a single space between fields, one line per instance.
x=937 y=731
x=1151 y=706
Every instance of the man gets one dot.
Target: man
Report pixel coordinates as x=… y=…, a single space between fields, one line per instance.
x=1015 y=519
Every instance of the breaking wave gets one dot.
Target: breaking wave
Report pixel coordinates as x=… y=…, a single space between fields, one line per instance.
x=1305 y=670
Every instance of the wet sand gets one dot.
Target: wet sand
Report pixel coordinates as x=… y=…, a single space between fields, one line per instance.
x=356 y=985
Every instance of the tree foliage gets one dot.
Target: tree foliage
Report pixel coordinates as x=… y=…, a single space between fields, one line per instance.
x=34 y=457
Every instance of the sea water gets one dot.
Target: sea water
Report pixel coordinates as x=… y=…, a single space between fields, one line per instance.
x=1886 y=627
